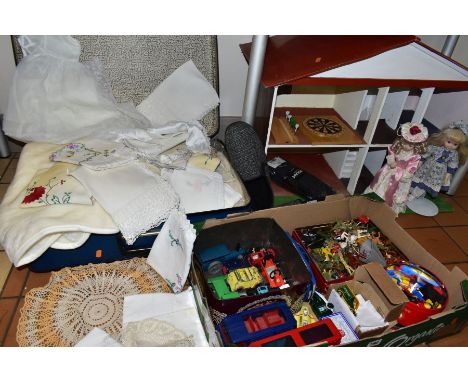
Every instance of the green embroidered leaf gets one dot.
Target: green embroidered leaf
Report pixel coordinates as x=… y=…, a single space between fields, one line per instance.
x=55 y=199
x=66 y=198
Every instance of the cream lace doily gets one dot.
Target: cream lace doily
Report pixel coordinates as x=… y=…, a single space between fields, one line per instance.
x=78 y=299
x=154 y=332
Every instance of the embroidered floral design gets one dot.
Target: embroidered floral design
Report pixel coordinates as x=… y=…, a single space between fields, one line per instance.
x=174 y=240
x=35 y=193
x=176 y=286
x=80 y=152
x=43 y=194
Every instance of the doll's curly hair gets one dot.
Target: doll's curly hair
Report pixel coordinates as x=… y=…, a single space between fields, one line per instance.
x=455 y=135
x=418 y=148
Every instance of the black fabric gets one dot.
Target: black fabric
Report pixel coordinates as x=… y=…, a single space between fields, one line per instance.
x=247 y=157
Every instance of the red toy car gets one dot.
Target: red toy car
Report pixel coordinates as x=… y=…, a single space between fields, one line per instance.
x=264 y=259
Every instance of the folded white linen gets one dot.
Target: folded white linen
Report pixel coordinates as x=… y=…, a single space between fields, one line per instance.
x=94 y=155
x=171 y=253
x=166 y=137
x=97 y=338
x=26 y=233
x=178 y=309
x=199 y=190
x=183 y=96
x=136 y=198
x=153 y=332
x=70 y=240
x=156 y=146
x=231 y=196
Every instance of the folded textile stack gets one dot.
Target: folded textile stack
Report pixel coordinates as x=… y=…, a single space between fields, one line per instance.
x=102 y=167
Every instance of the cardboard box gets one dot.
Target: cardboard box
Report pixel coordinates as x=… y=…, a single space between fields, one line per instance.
x=254 y=233
x=372 y=282
x=449 y=321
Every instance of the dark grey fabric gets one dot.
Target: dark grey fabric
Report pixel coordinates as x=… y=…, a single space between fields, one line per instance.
x=245 y=150
x=247 y=156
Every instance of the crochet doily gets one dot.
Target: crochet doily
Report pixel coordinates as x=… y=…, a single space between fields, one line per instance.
x=154 y=332
x=78 y=299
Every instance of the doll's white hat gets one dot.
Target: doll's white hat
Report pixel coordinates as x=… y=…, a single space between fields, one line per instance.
x=414 y=132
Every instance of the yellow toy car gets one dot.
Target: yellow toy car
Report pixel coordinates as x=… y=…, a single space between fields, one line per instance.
x=244 y=278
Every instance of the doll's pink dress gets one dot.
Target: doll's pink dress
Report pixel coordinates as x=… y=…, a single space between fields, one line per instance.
x=393 y=184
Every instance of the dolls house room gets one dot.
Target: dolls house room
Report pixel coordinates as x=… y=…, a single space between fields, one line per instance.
x=345 y=175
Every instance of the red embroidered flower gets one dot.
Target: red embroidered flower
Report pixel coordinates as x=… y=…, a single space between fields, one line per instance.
x=363 y=219
x=414 y=130
x=36 y=194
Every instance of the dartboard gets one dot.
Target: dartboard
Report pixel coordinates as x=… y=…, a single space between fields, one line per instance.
x=323 y=126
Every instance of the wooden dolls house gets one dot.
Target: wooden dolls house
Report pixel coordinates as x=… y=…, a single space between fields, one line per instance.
x=345 y=96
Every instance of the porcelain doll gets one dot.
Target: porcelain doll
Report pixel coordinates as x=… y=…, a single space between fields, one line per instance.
x=446 y=150
x=392 y=182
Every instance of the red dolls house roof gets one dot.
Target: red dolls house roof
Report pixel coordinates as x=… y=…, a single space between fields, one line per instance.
x=344 y=60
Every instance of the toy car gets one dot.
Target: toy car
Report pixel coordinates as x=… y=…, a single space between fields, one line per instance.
x=264 y=260
x=221 y=289
x=244 y=278
x=219 y=252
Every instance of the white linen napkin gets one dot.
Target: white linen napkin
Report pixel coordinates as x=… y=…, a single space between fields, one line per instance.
x=199 y=190
x=178 y=309
x=171 y=253
x=97 y=338
x=185 y=95
x=94 y=155
x=136 y=198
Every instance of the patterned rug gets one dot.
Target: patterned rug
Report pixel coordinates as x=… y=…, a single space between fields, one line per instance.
x=78 y=299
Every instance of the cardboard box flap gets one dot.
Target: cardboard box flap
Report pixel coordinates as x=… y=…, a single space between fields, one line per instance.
x=382 y=282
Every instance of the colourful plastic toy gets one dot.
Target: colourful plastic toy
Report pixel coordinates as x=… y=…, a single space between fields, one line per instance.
x=221 y=289
x=219 y=253
x=244 y=278
x=305 y=315
x=323 y=331
x=254 y=324
x=264 y=260
x=427 y=294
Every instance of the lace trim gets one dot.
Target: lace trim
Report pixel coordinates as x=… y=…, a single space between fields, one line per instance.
x=78 y=299
x=154 y=332
x=147 y=210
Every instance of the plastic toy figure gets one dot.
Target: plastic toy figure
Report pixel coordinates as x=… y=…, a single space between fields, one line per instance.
x=446 y=150
x=392 y=182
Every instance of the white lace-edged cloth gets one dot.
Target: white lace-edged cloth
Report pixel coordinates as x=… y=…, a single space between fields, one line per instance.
x=94 y=155
x=136 y=198
x=153 y=332
x=180 y=310
x=199 y=190
x=171 y=253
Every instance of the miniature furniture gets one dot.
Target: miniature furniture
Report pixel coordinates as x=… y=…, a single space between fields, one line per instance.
x=349 y=94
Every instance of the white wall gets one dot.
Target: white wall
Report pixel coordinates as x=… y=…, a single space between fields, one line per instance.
x=460 y=53
x=233 y=70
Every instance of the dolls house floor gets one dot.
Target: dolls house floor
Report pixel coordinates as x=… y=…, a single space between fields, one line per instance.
x=444 y=235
